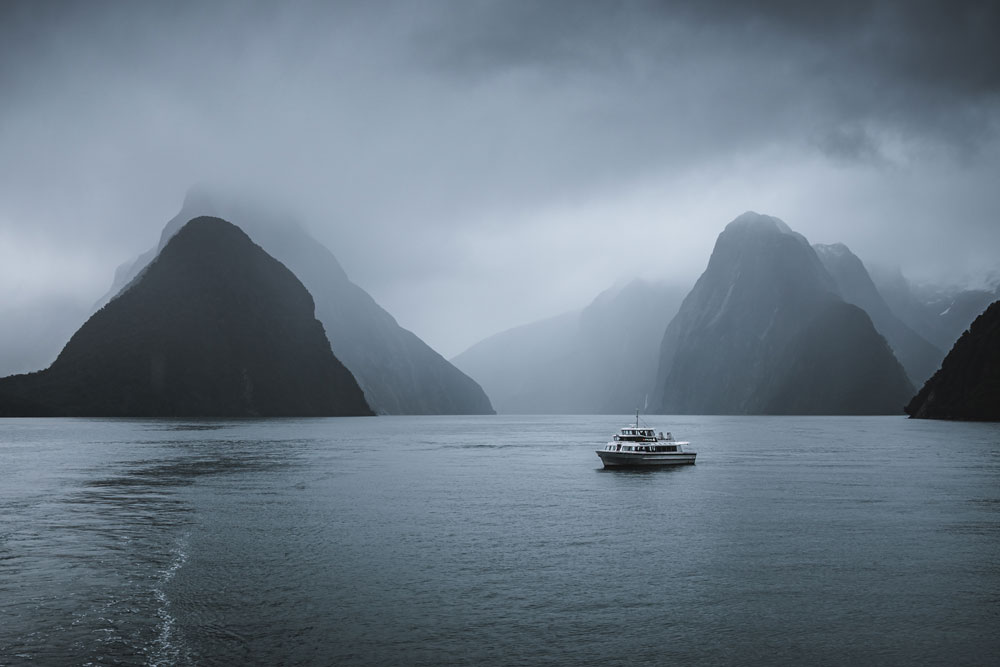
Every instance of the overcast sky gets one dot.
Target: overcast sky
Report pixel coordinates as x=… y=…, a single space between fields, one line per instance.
x=479 y=165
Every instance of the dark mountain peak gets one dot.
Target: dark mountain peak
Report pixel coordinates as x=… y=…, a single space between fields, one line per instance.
x=751 y=233
x=759 y=321
x=257 y=215
x=212 y=327
x=764 y=239
x=967 y=386
x=206 y=230
x=759 y=264
x=751 y=221
x=398 y=372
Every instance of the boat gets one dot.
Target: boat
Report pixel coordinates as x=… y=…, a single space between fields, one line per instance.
x=636 y=446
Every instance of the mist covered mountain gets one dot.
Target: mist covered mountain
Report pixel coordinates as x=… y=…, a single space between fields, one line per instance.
x=213 y=327
x=764 y=331
x=967 y=386
x=399 y=373
x=917 y=355
x=601 y=359
x=938 y=313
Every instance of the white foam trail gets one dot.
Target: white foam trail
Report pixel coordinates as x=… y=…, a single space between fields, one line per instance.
x=167 y=649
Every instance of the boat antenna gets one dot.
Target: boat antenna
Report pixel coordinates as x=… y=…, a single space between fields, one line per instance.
x=637 y=417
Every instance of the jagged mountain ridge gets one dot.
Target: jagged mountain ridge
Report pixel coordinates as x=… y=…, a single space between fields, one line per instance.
x=967 y=386
x=758 y=334
x=213 y=327
x=854 y=284
x=399 y=373
x=601 y=359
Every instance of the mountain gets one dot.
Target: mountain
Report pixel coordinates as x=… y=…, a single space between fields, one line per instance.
x=938 y=313
x=527 y=369
x=601 y=359
x=918 y=356
x=967 y=386
x=764 y=331
x=213 y=327
x=398 y=372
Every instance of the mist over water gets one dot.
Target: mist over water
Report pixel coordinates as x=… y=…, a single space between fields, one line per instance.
x=498 y=540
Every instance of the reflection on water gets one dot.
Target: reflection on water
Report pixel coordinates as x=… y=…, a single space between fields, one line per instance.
x=644 y=470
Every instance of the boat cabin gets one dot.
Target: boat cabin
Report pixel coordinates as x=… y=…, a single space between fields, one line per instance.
x=633 y=439
x=636 y=447
x=629 y=434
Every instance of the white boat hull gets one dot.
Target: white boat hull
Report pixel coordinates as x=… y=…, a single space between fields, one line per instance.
x=613 y=459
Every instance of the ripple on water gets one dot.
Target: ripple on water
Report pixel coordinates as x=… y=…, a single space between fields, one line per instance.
x=492 y=541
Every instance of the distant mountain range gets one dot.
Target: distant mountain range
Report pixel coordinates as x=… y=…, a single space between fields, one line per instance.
x=601 y=359
x=939 y=314
x=212 y=327
x=967 y=387
x=765 y=331
x=398 y=372
x=773 y=326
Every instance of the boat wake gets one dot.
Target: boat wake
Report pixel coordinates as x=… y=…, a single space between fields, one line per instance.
x=168 y=648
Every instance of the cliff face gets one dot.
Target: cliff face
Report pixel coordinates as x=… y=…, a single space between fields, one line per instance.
x=213 y=327
x=917 y=355
x=967 y=386
x=398 y=372
x=764 y=331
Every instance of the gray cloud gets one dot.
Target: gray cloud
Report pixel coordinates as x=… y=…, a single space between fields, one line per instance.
x=476 y=164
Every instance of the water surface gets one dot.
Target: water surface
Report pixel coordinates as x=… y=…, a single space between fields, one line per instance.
x=497 y=540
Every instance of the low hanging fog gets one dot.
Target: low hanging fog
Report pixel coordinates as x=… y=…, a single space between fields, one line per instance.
x=480 y=165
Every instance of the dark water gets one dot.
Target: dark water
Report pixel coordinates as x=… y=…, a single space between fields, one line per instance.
x=430 y=541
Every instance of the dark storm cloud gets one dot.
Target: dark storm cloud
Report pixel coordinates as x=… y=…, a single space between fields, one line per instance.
x=910 y=65
x=459 y=155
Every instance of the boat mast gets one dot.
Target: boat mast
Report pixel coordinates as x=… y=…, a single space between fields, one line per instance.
x=637 y=417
